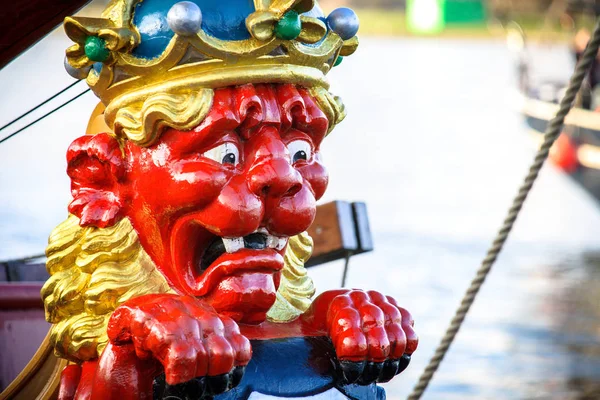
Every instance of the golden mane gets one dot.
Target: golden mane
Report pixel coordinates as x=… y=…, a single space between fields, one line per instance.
x=94 y=270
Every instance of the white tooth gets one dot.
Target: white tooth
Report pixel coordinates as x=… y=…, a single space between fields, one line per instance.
x=234 y=244
x=262 y=230
x=272 y=241
x=281 y=242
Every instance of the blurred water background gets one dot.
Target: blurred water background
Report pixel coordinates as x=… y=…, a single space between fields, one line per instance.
x=435 y=145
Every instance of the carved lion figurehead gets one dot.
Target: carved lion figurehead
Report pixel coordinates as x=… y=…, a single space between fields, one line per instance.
x=199 y=211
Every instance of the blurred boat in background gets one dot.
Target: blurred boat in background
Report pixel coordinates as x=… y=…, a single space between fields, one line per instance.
x=577 y=150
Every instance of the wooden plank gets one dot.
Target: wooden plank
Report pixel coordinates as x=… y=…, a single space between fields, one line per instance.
x=333 y=233
x=24 y=22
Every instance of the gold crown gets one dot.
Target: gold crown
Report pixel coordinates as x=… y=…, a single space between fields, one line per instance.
x=199 y=60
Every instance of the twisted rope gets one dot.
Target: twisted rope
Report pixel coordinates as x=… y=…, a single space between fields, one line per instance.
x=552 y=132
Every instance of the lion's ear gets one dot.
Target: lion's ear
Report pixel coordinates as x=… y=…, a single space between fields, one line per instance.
x=96 y=167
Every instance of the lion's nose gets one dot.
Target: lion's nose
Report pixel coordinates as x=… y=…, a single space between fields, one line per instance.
x=274 y=178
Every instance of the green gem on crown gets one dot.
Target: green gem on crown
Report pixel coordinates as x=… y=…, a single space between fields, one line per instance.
x=289 y=26
x=95 y=49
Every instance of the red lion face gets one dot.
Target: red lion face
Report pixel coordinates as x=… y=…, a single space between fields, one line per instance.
x=214 y=206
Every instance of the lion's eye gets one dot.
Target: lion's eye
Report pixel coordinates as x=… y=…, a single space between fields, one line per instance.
x=300 y=150
x=226 y=153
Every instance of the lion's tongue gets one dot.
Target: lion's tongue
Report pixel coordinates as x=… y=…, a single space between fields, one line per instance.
x=238 y=263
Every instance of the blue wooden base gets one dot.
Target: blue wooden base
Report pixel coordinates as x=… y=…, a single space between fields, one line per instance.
x=297 y=368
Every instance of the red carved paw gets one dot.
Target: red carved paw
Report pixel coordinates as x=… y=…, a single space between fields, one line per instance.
x=186 y=336
x=372 y=335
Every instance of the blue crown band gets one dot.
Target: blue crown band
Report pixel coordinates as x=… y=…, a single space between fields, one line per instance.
x=225 y=22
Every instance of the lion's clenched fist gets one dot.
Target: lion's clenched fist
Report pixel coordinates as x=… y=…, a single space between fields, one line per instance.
x=186 y=336
x=373 y=336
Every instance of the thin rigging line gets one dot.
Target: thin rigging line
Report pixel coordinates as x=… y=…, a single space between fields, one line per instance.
x=44 y=116
x=39 y=105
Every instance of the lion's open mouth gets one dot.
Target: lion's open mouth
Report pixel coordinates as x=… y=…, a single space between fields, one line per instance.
x=259 y=240
x=203 y=259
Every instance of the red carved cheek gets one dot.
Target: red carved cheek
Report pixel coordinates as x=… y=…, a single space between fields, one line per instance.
x=316 y=175
x=196 y=183
x=176 y=187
